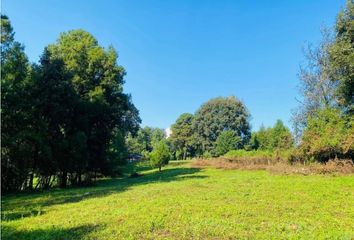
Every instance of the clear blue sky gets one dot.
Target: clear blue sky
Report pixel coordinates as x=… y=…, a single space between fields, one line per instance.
x=180 y=53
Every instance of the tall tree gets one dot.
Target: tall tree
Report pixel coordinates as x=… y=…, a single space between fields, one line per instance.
x=218 y=115
x=17 y=141
x=341 y=57
x=182 y=135
x=98 y=82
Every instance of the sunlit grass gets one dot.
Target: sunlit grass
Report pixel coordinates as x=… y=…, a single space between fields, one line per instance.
x=188 y=203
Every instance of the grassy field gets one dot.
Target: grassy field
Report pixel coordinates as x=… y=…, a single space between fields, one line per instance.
x=188 y=203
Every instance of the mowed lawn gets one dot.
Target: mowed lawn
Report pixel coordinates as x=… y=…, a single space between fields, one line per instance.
x=184 y=202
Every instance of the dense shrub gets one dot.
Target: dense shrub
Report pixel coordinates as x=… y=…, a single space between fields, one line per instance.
x=329 y=134
x=276 y=137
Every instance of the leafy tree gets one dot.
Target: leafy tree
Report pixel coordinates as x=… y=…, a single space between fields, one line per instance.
x=341 y=57
x=97 y=80
x=218 y=115
x=17 y=139
x=182 y=136
x=227 y=141
x=160 y=156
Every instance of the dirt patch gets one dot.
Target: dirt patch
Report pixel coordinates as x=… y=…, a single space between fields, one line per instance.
x=278 y=167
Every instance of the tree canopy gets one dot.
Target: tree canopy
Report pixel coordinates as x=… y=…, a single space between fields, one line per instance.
x=218 y=115
x=182 y=136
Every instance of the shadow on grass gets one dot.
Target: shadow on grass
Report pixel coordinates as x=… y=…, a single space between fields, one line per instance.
x=51 y=233
x=32 y=204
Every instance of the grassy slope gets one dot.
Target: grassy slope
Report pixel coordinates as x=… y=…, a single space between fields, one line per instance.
x=184 y=203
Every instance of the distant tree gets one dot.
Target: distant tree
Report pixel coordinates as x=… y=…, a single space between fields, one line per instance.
x=227 y=141
x=280 y=136
x=145 y=140
x=160 y=156
x=157 y=134
x=341 y=57
x=272 y=138
x=218 y=115
x=182 y=136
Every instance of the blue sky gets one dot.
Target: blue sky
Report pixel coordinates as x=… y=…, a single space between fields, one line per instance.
x=180 y=53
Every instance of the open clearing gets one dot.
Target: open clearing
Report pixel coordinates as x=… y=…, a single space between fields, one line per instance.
x=188 y=203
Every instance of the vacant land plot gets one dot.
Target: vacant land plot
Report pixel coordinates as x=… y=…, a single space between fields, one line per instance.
x=184 y=202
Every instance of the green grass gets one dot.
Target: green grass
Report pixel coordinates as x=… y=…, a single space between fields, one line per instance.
x=188 y=203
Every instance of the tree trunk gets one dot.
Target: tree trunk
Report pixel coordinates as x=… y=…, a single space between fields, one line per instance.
x=79 y=180
x=63 y=179
x=159 y=168
x=30 y=184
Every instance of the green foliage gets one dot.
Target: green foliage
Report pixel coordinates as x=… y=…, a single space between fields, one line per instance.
x=329 y=134
x=145 y=140
x=272 y=138
x=117 y=154
x=19 y=137
x=160 y=155
x=227 y=141
x=342 y=56
x=66 y=117
x=218 y=115
x=182 y=136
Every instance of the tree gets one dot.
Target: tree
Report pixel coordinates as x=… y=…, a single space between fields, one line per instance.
x=227 y=141
x=341 y=57
x=98 y=81
x=280 y=136
x=17 y=141
x=272 y=138
x=182 y=135
x=145 y=140
x=317 y=90
x=218 y=115
x=55 y=102
x=160 y=156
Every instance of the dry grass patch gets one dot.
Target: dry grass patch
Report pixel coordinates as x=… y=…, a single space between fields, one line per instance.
x=277 y=166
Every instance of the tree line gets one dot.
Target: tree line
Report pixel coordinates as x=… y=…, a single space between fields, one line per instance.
x=220 y=125
x=65 y=119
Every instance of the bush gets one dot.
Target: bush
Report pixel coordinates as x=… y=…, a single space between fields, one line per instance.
x=329 y=135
